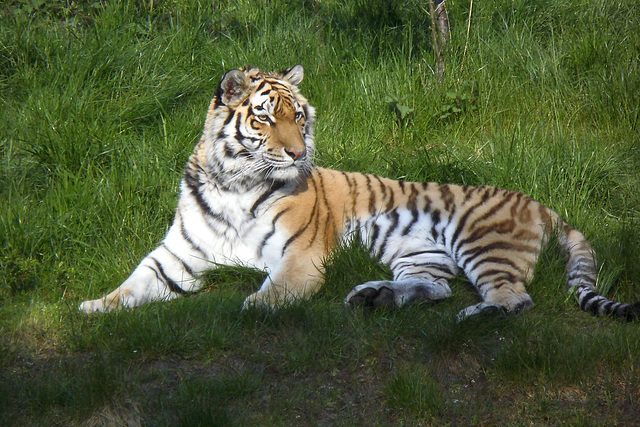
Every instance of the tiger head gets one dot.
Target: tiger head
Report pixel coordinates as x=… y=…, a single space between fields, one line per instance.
x=262 y=126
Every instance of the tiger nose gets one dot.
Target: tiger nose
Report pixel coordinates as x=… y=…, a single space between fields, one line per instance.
x=295 y=153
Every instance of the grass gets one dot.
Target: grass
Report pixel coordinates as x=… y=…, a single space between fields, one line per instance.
x=102 y=103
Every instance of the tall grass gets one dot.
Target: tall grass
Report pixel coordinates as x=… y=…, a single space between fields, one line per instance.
x=101 y=105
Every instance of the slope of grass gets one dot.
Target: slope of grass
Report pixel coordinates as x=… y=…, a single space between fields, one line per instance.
x=101 y=105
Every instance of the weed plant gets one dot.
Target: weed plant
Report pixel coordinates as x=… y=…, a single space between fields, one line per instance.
x=101 y=105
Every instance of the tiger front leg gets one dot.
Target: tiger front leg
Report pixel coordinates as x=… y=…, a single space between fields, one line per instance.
x=159 y=277
x=141 y=287
x=298 y=277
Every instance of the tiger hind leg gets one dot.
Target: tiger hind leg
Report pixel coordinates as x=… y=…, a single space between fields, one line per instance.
x=490 y=309
x=500 y=298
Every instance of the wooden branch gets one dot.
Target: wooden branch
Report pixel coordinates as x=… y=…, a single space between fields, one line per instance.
x=440 y=31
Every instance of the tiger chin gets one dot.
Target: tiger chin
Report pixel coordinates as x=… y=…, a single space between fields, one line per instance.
x=251 y=195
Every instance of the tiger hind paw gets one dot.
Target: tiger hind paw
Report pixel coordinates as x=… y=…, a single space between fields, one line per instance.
x=494 y=310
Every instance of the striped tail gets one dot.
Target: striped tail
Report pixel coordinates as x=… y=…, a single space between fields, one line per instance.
x=581 y=279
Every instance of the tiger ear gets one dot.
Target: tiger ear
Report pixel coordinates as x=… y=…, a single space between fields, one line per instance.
x=294 y=75
x=232 y=87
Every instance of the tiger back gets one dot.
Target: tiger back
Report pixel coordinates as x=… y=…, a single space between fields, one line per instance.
x=251 y=195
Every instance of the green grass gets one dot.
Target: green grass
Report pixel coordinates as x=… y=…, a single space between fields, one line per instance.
x=101 y=106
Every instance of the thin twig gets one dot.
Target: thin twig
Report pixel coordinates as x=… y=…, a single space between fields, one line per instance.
x=466 y=43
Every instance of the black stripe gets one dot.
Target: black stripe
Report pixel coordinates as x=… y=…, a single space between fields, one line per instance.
x=443 y=268
x=194 y=185
x=264 y=196
x=228 y=119
x=353 y=191
x=394 y=224
x=412 y=205
x=315 y=212
x=504 y=275
x=273 y=230
x=447 y=197
x=495 y=208
x=581 y=275
x=586 y=299
x=391 y=202
x=301 y=230
x=243 y=153
x=238 y=134
x=187 y=268
x=414 y=220
x=173 y=286
x=372 y=195
x=435 y=219
x=498 y=260
x=481 y=232
x=330 y=219
x=374 y=237
x=262 y=84
x=228 y=152
x=468 y=192
x=357 y=228
x=427 y=204
x=306 y=111
x=473 y=253
x=221 y=133
x=383 y=188
x=292 y=238
x=406 y=259
x=470 y=210
x=401 y=265
x=218 y=99
x=628 y=312
x=461 y=223
x=607 y=307
x=186 y=237
x=430 y=251
x=254 y=123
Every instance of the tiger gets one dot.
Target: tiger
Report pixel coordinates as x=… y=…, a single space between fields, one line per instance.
x=251 y=195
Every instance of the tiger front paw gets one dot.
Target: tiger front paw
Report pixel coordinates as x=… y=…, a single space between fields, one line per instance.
x=271 y=298
x=260 y=300
x=93 y=306
x=110 y=302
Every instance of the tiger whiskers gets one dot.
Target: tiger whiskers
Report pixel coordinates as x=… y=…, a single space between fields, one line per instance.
x=247 y=175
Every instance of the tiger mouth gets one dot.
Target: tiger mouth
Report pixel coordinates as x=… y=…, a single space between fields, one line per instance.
x=284 y=163
x=286 y=169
